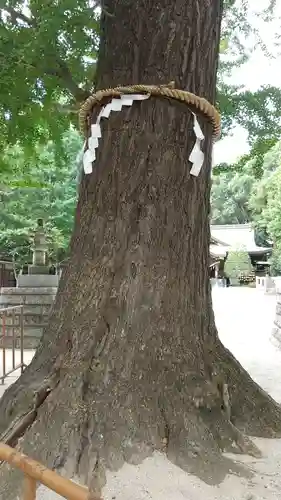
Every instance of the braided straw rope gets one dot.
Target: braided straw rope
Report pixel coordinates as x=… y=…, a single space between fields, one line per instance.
x=167 y=91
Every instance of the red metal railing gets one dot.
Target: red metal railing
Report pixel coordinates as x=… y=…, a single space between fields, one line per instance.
x=6 y=336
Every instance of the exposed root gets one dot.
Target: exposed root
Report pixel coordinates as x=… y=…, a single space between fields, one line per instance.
x=18 y=428
x=252 y=410
x=166 y=437
x=244 y=443
x=226 y=401
x=102 y=422
x=215 y=405
x=23 y=422
x=192 y=436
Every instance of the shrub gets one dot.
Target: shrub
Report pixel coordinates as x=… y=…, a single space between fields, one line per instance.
x=238 y=265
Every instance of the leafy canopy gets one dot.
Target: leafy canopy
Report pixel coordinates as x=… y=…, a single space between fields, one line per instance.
x=47 y=53
x=47 y=67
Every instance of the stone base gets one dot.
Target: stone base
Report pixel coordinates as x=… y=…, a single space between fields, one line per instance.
x=266 y=284
x=38 y=270
x=37 y=304
x=38 y=280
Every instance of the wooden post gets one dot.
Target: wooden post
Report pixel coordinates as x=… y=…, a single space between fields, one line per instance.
x=29 y=488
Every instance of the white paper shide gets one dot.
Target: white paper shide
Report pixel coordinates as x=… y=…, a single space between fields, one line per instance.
x=89 y=156
x=197 y=156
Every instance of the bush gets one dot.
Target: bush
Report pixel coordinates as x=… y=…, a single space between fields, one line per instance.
x=275 y=261
x=238 y=265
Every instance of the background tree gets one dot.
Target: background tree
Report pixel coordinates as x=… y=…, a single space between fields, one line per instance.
x=248 y=191
x=265 y=203
x=41 y=188
x=133 y=313
x=253 y=162
x=230 y=197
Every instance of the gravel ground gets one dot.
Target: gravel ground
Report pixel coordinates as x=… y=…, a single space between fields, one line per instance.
x=244 y=319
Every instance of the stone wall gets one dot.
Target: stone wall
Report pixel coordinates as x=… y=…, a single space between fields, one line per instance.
x=276 y=333
x=37 y=304
x=266 y=284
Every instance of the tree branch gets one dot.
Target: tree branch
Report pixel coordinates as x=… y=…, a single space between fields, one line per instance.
x=71 y=109
x=15 y=15
x=62 y=71
x=65 y=75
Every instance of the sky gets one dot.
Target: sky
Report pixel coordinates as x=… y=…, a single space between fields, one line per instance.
x=259 y=70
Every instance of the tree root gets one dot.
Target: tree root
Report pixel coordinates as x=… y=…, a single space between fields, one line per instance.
x=253 y=411
x=244 y=443
x=192 y=421
x=192 y=438
x=229 y=438
x=18 y=428
x=215 y=406
x=23 y=422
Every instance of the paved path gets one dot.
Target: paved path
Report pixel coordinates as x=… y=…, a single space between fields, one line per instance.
x=244 y=319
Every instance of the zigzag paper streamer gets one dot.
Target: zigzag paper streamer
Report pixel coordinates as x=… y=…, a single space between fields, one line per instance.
x=93 y=141
x=197 y=156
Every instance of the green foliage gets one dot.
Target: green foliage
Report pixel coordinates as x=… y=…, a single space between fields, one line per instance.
x=230 y=196
x=44 y=189
x=258 y=112
x=254 y=160
x=238 y=264
x=47 y=52
x=239 y=191
x=265 y=202
x=47 y=66
x=275 y=261
x=243 y=194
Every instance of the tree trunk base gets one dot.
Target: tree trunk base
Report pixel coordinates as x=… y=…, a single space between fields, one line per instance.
x=86 y=420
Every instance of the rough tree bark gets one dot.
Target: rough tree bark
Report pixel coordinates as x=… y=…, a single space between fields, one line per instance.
x=131 y=361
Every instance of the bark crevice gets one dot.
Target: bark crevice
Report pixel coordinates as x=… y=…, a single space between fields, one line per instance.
x=22 y=423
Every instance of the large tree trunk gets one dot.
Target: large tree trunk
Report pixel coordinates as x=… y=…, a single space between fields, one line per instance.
x=131 y=353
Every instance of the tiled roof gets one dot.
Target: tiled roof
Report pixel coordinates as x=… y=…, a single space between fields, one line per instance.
x=236 y=236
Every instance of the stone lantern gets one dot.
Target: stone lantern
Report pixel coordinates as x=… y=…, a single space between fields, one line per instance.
x=39 y=251
x=36 y=291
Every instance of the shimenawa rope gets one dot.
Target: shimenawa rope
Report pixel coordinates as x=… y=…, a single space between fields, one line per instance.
x=166 y=91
